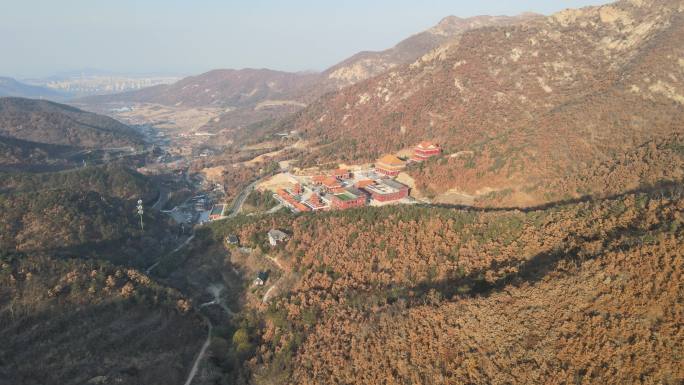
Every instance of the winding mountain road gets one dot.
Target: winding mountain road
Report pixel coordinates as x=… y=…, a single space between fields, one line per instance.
x=163 y=197
x=240 y=200
x=216 y=289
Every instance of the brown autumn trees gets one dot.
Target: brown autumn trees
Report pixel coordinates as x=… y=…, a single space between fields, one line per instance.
x=577 y=293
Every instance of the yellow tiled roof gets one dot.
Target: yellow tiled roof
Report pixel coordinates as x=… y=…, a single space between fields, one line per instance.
x=427 y=145
x=391 y=160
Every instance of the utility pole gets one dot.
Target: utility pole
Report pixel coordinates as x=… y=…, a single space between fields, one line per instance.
x=140 y=212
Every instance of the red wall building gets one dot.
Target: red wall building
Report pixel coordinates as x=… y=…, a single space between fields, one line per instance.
x=348 y=199
x=388 y=191
x=389 y=165
x=333 y=185
x=289 y=199
x=341 y=173
x=425 y=150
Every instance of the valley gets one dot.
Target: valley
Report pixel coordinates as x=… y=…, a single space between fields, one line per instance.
x=494 y=200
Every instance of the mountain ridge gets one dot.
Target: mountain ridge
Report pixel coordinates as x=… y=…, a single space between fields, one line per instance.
x=48 y=122
x=14 y=88
x=256 y=95
x=531 y=101
x=366 y=64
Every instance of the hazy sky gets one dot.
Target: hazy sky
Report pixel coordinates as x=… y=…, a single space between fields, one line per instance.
x=41 y=37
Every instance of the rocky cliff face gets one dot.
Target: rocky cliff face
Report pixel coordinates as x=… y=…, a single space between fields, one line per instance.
x=365 y=65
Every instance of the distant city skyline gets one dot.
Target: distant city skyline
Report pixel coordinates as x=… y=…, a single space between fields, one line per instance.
x=39 y=38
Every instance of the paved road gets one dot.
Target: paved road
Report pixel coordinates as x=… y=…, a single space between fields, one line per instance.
x=163 y=197
x=240 y=200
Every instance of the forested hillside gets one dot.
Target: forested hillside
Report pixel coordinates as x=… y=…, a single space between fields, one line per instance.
x=77 y=322
x=75 y=307
x=578 y=293
x=653 y=162
x=81 y=223
x=115 y=180
x=22 y=155
x=87 y=212
x=52 y=123
x=518 y=107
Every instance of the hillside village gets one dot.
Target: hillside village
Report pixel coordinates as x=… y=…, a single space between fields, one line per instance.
x=343 y=188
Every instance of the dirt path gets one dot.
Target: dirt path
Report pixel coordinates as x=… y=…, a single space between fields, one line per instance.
x=182 y=245
x=162 y=199
x=268 y=293
x=276 y=208
x=215 y=290
x=270 y=290
x=276 y=261
x=200 y=356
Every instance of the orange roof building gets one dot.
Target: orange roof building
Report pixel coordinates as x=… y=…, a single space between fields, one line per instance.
x=389 y=165
x=364 y=183
x=318 y=179
x=290 y=201
x=332 y=184
x=425 y=150
x=341 y=173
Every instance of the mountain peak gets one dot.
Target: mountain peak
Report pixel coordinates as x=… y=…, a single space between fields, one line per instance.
x=452 y=25
x=368 y=64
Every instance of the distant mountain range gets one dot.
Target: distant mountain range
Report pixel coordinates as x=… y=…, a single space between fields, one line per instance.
x=219 y=88
x=12 y=87
x=252 y=95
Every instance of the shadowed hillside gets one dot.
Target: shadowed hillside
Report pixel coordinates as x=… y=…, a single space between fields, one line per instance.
x=17 y=155
x=113 y=180
x=44 y=213
x=51 y=123
x=77 y=322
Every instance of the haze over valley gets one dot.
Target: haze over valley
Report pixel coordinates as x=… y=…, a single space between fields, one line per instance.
x=488 y=200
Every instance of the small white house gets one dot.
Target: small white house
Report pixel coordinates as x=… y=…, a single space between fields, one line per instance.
x=276 y=237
